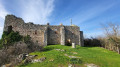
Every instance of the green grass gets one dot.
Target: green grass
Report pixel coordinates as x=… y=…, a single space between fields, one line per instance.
x=95 y=55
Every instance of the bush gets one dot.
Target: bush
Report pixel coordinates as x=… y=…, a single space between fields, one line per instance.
x=10 y=38
x=92 y=42
x=1 y=44
x=111 y=40
x=75 y=61
x=10 y=55
x=26 y=39
x=15 y=37
x=15 y=45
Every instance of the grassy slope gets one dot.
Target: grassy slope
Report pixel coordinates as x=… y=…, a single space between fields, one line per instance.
x=95 y=55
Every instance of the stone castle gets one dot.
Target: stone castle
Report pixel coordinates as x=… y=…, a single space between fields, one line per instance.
x=45 y=34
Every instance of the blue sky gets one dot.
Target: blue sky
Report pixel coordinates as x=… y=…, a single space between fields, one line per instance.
x=87 y=14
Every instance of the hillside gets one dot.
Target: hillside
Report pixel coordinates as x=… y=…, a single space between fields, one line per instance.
x=62 y=56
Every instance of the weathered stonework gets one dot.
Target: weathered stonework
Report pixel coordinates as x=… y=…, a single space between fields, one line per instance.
x=45 y=34
x=62 y=31
x=81 y=39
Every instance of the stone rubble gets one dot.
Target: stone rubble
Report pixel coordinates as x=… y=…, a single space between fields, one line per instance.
x=74 y=52
x=70 y=65
x=51 y=60
x=38 y=60
x=71 y=56
x=59 y=49
x=91 y=65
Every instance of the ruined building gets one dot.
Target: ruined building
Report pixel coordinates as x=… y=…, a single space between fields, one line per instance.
x=45 y=34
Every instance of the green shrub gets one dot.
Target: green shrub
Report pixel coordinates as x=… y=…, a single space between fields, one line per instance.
x=9 y=38
x=1 y=44
x=26 y=39
x=15 y=37
x=75 y=61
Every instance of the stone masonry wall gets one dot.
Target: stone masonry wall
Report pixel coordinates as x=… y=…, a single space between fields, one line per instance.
x=72 y=34
x=54 y=36
x=36 y=32
x=44 y=34
x=62 y=32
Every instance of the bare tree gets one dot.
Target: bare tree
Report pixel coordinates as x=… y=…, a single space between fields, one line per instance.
x=112 y=33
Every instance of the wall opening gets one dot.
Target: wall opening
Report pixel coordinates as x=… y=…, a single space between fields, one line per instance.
x=56 y=32
x=9 y=29
x=68 y=42
x=35 y=32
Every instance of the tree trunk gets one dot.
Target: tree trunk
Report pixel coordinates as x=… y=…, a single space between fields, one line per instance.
x=118 y=49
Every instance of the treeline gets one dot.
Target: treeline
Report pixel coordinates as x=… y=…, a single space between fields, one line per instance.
x=110 y=41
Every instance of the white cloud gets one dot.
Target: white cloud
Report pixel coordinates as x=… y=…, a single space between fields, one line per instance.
x=1 y=31
x=1 y=28
x=37 y=11
x=3 y=13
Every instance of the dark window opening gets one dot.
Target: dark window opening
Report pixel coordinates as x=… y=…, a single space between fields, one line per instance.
x=68 y=43
x=35 y=32
x=37 y=41
x=9 y=29
x=56 y=32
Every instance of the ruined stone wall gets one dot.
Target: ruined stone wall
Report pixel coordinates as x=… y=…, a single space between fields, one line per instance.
x=54 y=36
x=44 y=34
x=62 y=32
x=36 y=32
x=72 y=34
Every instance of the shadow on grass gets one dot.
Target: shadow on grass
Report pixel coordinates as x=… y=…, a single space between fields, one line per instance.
x=85 y=47
x=92 y=46
x=75 y=61
x=48 y=48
